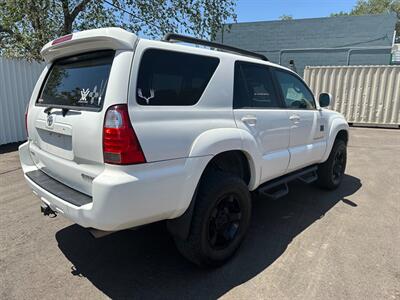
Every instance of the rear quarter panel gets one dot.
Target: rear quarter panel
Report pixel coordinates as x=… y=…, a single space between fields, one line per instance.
x=168 y=132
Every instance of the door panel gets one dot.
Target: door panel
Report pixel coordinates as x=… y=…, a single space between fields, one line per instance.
x=259 y=111
x=307 y=127
x=307 y=143
x=271 y=131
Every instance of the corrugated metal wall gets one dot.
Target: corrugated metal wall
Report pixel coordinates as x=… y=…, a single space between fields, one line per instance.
x=363 y=94
x=17 y=80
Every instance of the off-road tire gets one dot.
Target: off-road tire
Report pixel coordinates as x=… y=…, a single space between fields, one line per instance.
x=215 y=187
x=327 y=179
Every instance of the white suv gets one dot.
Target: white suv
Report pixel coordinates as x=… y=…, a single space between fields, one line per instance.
x=126 y=131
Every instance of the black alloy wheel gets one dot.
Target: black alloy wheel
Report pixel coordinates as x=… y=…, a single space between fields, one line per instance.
x=224 y=222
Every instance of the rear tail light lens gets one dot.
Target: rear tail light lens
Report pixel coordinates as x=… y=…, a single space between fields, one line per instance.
x=26 y=119
x=120 y=143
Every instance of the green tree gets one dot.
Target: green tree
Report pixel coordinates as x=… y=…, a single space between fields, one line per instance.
x=25 y=26
x=286 y=17
x=370 y=7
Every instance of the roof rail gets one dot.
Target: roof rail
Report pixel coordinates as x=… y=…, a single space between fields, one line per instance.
x=191 y=40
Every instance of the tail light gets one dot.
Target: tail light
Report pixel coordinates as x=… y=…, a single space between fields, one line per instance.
x=26 y=119
x=62 y=39
x=120 y=143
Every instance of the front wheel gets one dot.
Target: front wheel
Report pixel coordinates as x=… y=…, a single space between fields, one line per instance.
x=220 y=220
x=331 y=172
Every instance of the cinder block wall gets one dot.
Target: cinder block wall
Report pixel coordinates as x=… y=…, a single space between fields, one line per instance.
x=349 y=31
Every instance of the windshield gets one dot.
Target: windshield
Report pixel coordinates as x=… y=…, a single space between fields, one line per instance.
x=79 y=81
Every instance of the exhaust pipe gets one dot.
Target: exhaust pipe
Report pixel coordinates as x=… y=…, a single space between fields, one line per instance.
x=99 y=233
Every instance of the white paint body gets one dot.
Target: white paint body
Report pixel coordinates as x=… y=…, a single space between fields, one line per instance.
x=178 y=141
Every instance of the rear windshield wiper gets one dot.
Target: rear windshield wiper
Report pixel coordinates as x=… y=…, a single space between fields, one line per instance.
x=48 y=109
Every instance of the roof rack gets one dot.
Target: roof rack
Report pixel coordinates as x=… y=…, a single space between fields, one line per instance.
x=191 y=40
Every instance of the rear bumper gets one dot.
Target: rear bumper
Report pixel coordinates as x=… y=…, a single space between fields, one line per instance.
x=127 y=196
x=58 y=189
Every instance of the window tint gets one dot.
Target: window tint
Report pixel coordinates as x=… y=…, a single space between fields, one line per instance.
x=295 y=93
x=173 y=78
x=78 y=81
x=253 y=86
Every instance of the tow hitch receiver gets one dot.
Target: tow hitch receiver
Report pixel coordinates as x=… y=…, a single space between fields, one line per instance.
x=47 y=211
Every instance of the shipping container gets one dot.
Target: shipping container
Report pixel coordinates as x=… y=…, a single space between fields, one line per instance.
x=367 y=95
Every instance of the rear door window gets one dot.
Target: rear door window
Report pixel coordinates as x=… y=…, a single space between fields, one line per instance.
x=78 y=82
x=173 y=78
x=253 y=87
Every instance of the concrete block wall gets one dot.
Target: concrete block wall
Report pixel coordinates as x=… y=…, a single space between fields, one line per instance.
x=270 y=37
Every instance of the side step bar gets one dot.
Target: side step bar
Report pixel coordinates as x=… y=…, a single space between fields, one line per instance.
x=278 y=187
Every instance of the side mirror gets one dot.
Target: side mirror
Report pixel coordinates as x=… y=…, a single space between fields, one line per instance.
x=324 y=99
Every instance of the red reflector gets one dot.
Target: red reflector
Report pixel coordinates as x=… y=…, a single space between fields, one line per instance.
x=62 y=39
x=120 y=143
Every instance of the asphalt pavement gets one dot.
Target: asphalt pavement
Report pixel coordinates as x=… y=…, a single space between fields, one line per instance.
x=311 y=244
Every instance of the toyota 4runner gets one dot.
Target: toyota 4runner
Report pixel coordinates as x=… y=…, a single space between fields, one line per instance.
x=124 y=132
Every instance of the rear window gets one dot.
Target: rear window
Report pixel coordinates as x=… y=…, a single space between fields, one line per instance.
x=173 y=78
x=78 y=82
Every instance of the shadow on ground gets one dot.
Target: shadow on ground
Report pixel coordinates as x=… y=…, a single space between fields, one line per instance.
x=145 y=264
x=9 y=147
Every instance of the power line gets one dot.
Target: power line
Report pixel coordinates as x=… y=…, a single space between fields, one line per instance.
x=131 y=14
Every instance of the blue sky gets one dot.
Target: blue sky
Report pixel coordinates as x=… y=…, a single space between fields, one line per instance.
x=265 y=10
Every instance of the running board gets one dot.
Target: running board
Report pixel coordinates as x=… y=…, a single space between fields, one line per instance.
x=309 y=177
x=275 y=192
x=278 y=187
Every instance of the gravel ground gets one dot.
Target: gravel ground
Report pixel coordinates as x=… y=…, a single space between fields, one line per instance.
x=310 y=244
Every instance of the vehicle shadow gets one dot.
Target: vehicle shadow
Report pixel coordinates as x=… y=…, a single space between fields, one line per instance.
x=144 y=263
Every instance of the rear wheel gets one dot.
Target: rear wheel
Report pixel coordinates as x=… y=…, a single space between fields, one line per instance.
x=330 y=173
x=220 y=220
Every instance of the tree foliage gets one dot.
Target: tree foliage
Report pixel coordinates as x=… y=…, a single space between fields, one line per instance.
x=25 y=26
x=371 y=7
x=286 y=17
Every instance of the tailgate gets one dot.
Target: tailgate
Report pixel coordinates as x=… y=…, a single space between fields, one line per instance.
x=66 y=115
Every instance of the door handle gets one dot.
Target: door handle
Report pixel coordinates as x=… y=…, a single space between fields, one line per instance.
x=249 y=120
x=294 y=118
